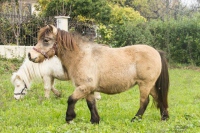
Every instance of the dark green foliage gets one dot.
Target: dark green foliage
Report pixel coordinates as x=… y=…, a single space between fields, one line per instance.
x=180 y=39
x=96 y=9
x=30 y=28
x=57 y=7
x=128 y=34
x=91 y=9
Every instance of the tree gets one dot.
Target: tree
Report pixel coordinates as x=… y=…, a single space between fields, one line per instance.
x=120 y=15
x=14 y=9
x=122 y=29
x=42 y=5
x=2 y=1
x=92 y=9
x=56 y=8
x=153 y=9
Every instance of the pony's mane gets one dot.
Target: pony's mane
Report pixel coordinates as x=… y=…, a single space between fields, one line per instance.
x=27 y=72
x=66 y=39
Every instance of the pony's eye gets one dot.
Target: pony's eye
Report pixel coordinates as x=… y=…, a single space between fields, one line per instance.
x=45 y=40
x=18 y=85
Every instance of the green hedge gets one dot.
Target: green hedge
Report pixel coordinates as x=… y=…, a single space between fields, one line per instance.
x=180 y=39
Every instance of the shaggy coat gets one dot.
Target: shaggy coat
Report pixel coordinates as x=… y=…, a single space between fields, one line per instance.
x=96 y=68
x=47 y=71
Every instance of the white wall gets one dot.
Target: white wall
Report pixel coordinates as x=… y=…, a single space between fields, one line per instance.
x=14 y=51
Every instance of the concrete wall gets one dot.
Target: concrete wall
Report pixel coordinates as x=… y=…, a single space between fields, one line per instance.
x=14 y=51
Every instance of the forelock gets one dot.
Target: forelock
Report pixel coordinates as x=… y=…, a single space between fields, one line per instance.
x=43 y=31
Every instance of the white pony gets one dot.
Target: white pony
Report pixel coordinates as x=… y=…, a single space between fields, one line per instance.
x=47 y=71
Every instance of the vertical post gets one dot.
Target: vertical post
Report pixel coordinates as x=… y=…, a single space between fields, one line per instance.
x=62 y=22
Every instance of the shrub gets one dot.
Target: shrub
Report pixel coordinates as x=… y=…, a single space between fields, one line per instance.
x=180 y=39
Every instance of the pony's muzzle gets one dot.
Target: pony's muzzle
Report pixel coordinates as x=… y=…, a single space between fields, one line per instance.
x=17 y=97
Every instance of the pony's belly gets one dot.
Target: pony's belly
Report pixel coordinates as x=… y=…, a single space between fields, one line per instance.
x=115 y=89
x=113 y=83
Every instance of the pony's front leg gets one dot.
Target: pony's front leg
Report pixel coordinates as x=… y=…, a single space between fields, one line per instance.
x=91 y=102
x=47 y=85
x=79 y=92
x=70 y=113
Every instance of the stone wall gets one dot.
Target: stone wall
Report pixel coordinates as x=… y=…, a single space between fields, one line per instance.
x=14 y=51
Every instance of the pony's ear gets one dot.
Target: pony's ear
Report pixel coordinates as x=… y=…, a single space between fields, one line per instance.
x=53 y=29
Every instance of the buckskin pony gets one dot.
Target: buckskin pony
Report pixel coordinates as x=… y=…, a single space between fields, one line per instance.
x=96 y=68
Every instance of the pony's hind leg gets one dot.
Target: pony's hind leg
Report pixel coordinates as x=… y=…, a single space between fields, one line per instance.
x=163 y=111
x=54 y=90
x=144 y=101
x=91 y=102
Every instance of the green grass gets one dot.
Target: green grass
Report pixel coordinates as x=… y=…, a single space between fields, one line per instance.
x=35 y=114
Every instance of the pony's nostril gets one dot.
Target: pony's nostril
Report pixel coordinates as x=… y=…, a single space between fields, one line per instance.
x=29 y=56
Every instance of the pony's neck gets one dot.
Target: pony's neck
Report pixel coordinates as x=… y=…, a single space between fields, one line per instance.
x=29 y=71
x=70 y=48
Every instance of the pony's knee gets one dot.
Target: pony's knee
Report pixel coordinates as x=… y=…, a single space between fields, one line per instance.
x=81 y=92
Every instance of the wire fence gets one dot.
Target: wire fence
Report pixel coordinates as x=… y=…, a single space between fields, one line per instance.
x=22 y=30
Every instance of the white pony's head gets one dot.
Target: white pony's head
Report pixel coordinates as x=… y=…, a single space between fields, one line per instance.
x=20 y=86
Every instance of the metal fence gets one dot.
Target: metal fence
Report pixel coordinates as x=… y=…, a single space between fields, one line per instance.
x=22 y=30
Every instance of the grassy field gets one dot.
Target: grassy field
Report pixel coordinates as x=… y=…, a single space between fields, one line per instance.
x=35 y=114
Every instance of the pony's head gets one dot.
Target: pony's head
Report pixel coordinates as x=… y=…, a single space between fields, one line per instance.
x=20 y=86
x=51 y=41
x=46 y=45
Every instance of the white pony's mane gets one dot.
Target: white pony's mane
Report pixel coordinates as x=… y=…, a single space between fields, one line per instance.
x=27 y=72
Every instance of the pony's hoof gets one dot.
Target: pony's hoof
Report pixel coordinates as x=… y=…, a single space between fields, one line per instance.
x=165 y=118
x=69 y=118
x=58 y=95
x=94 y=122
x=136 y=119
x=69 y=122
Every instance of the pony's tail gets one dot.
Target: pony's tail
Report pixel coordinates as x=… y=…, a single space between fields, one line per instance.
x=162 y=83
